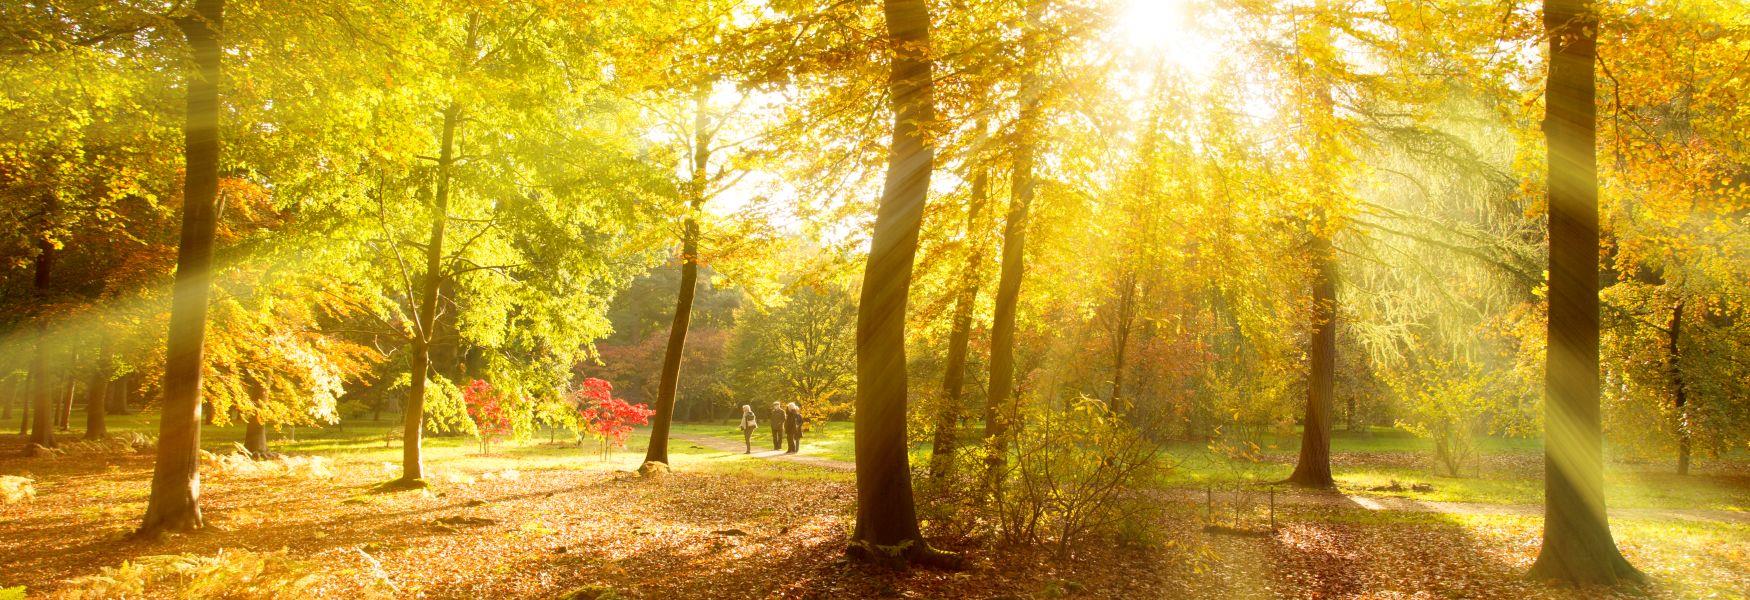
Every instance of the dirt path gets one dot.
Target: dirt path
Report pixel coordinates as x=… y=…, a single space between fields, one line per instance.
x=716 y=443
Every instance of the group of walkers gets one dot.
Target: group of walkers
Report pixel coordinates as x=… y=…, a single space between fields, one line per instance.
x=786 y=424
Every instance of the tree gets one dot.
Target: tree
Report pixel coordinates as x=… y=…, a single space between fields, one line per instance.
x=947 y=434
x=1021 y=192
x=802 y=351
x=657 y=450
x=175 y=500
x=1313 y=468
x=887 y=523
x=98 y=395
x=1577 y=544
x=602 y=414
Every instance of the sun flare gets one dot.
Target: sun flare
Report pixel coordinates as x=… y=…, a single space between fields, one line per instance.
x=1170 y=30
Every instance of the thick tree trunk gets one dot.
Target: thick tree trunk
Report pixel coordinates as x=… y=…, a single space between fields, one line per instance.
x=1679 y=391
x=175 y=499
x=1002 y=332
x=1313 y=469
x=255 y=438
x=419 y=351
x=1577 y=544
x=947 y=435
x=887 y=524
x=669 y=382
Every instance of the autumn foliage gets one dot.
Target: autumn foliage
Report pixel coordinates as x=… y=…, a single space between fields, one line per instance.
x=606 y=416
x=486 y=409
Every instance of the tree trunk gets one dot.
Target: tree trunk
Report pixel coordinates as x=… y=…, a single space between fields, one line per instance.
x=1680 y=392
x=42 y=425
x=1577 y=544
x=255 y=438
x=95 y=398
x=1313 y=469
x=175 y=499
x=887 y=524
x=1002 y=333
x=419 y=351
x=11 y=394
x=121 y=393
x=947 y=434
x=669 y=382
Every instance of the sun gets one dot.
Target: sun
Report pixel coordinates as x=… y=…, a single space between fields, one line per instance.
x=1170 y=30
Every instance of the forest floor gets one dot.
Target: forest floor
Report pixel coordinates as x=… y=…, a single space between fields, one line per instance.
x=541 y=520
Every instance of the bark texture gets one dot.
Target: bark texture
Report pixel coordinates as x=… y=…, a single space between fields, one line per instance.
x=255 y=438
x=670 y=377
x=1679 y=391
x=947 y=434
x=887 y=524
x=419 y=354
x=1002 y=332
x=175 y=499
x=1313 y=468
x=1577 y=543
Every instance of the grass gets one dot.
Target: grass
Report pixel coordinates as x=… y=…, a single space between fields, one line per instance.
x=1508 y=469
x=832 y=439
x=459 y=457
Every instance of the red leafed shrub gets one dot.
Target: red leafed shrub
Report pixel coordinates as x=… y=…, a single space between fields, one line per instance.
x=486 y=409
x=606 y=416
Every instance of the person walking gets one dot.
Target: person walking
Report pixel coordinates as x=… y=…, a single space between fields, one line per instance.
x=793 y=427
x=775 y=419
x=748 y=425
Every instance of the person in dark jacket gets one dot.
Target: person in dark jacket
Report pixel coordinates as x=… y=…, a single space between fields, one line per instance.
x=748 y=425
x=775 y=419
x=793 y=427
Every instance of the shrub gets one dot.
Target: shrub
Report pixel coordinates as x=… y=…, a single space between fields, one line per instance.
x=1448 y=403
x=1074 y=473
x=486 y=410
x=608 y=417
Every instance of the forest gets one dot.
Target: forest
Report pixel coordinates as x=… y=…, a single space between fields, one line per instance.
x=1009 y=299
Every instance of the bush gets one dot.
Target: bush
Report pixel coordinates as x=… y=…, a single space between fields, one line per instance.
x=1448 y=403
x=1075 y=473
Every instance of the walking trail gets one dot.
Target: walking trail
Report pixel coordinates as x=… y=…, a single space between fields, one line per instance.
x=717 y=443
x=1288 y=497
